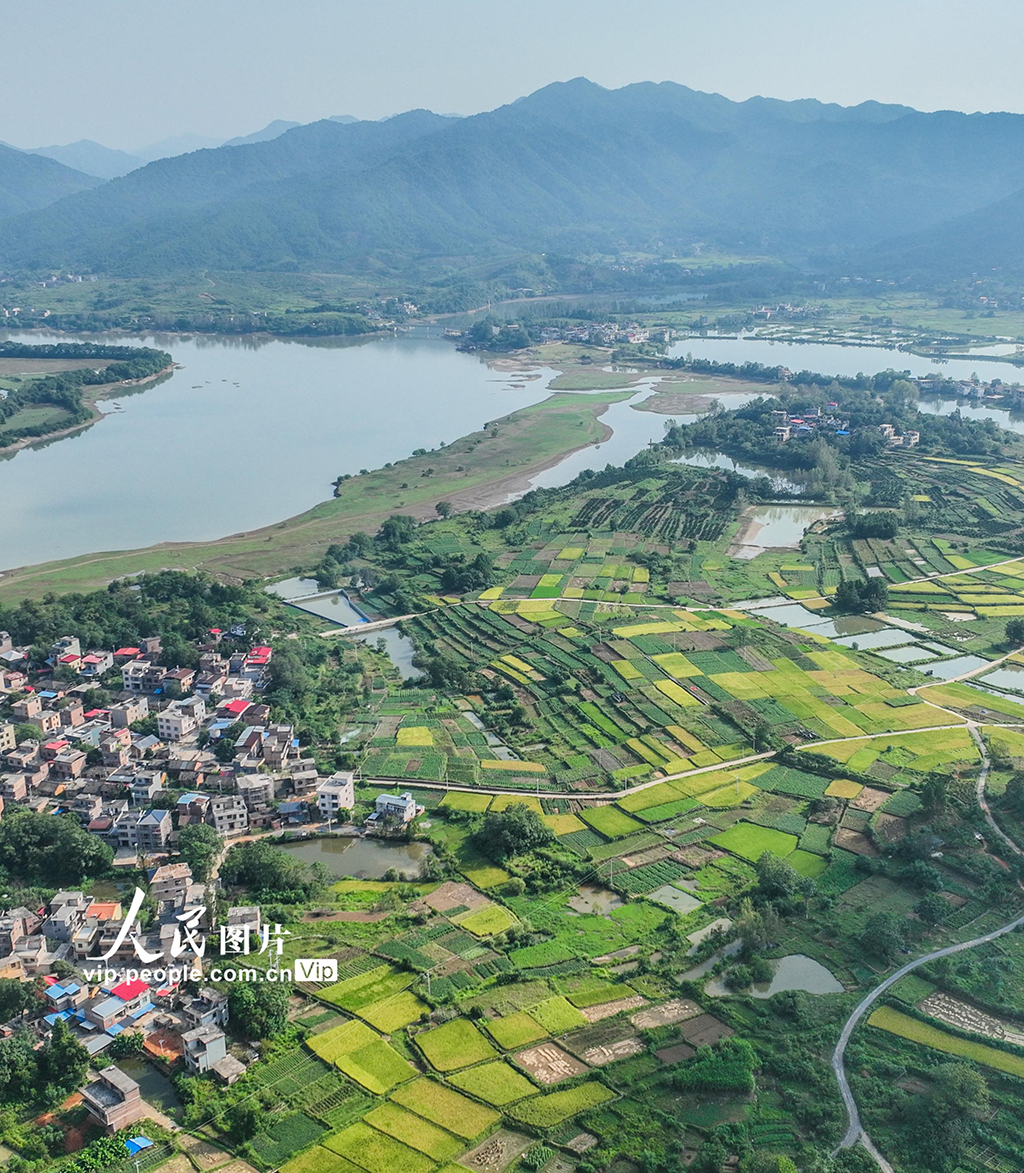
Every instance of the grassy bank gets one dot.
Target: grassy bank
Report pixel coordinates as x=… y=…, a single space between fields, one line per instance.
x=475 y=472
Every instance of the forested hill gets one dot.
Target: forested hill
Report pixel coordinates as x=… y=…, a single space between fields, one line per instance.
x=573 y=167
x=31 y=181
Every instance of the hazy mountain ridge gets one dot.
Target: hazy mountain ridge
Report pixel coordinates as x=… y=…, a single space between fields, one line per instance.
x=570 y=166
x=30 y=181
x=92 y=158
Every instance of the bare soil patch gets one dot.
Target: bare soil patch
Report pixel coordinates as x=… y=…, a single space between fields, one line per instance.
x=549 y=1064
x=854 y=841
x=452 y=894
x=890 y=828
x=869 y=799
x=599 y=1056
x=705 y=1030
x=607 y=1009
x=678 y=1010
x=497 y=1152
x=676 y=1054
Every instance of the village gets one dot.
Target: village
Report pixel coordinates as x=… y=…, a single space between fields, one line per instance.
x=177 y=747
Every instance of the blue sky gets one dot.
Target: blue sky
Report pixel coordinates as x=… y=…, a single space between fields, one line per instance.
x=128 y=72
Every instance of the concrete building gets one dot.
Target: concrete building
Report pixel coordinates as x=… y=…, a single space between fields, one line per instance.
x=147 y=830
x=395 y=806
x=113 y=1099
x=170 y=883
x=127 y=712
x=227 y=815
x=335 y=794
x=208 y=1008
x=204 y=1047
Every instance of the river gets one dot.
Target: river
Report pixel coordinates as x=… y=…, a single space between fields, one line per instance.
x=251 y=431
x=830 y=358
x=254 y=430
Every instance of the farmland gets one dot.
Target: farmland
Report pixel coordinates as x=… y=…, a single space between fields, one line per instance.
x=684 y=811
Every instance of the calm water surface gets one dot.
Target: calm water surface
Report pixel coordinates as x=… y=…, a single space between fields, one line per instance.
x=253 y=430
x=795 y=972
x=249 y=432
x=364 y=859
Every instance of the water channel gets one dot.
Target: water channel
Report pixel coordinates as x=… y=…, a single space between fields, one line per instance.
x=338 y=608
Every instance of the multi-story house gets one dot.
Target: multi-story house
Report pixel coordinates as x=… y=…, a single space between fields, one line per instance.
x=113 y=1099
x=127 y=712
x=335 y=794
x=146 y=830
x=227 y=815
x=204 y=1047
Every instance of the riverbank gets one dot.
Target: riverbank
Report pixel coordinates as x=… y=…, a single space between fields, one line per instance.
x=91 y=402
x=477 y=471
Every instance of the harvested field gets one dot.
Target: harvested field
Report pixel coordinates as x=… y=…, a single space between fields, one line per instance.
x=549 y=1064
x=705 y=1030
x=677 y=1054
x=869 y=799
x=854 y=841
x=451 y=895
x=678 y=1010
x=969 y=1018
x=607 y=1009
x=497 y=1152
x=599 y=1056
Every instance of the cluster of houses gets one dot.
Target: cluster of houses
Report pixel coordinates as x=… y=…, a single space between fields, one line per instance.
x=172 y=746
x=116 y=775
x=176 y=1025
x=786 y=427
x=592 y=333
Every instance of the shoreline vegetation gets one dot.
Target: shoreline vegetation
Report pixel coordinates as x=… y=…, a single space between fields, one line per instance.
x=480 y=471
x=59 y=402
x=476 y=472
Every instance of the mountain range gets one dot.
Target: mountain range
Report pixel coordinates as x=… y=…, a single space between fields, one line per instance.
x=571 y=168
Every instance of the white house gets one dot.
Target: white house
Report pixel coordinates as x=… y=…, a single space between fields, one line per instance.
x=335 y=794
x=395 y=806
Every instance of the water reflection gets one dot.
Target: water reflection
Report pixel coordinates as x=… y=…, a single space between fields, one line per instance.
x=364 y=859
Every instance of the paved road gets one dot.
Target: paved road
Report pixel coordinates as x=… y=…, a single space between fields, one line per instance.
x=855 y=1130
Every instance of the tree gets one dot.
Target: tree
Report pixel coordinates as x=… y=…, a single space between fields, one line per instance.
x=258 y=1009
x=858 y=597
x=269 y=873
x=932 y=909
x=127 y=1043
x=18 y=1065
x=775 y=877
x=396 y=531
x=1015 y=632
x=63 y=1062
x=933 y=793
x=444 y=509
x=16 y=997
x=199 y=845
x=1013 y=796
x=243 y=1121
x=513 y=831
x=50 y=850
x=883 y=936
